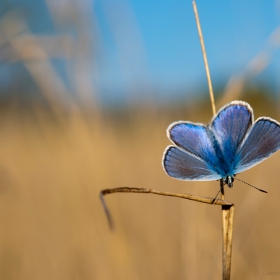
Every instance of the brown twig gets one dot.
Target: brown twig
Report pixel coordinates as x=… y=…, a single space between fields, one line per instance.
x=197 y=198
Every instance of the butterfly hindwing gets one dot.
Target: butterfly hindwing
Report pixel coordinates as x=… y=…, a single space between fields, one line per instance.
x=183 y=165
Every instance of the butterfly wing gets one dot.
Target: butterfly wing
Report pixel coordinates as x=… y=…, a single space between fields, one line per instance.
x=230 y=127
x=229 y=146
x=180 y=164
x=194 y=156
x=262 y=141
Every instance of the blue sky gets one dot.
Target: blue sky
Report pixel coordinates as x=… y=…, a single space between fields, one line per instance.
x=147 y=47
x=157 y=42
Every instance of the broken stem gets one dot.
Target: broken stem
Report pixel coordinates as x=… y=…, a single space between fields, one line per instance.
x=197 y=198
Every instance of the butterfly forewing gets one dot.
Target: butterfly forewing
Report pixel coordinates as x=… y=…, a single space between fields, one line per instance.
x=261 y=142
x=230 y=127
x=197 y=140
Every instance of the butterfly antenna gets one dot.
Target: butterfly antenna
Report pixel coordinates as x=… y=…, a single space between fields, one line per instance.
x=251 y=185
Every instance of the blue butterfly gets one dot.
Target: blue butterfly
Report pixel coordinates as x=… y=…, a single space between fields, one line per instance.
x=231 y=144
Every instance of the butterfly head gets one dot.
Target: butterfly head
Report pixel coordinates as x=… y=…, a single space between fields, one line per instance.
x=229 y=181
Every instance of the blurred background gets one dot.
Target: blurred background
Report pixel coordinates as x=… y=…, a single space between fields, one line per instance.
x=87 y=90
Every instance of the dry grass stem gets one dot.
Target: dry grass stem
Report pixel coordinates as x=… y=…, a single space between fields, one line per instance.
x=204 y=59
x=201 y=199
x=227 y=213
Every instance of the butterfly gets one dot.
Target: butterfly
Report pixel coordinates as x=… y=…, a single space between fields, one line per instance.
x=231 y=144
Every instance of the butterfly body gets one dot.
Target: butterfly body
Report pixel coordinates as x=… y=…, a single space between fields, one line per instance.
x=228 y=180
x=231 y=144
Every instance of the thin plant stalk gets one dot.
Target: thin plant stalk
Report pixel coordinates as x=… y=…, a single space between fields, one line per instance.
x=227 y=229
x=204 y=58
x=227 y=211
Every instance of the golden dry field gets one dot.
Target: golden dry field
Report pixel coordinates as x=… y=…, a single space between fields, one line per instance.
x=59 y=148
x=53 y=225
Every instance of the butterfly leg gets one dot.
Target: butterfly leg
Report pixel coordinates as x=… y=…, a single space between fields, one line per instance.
x=222 y=183
x=216 y=196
